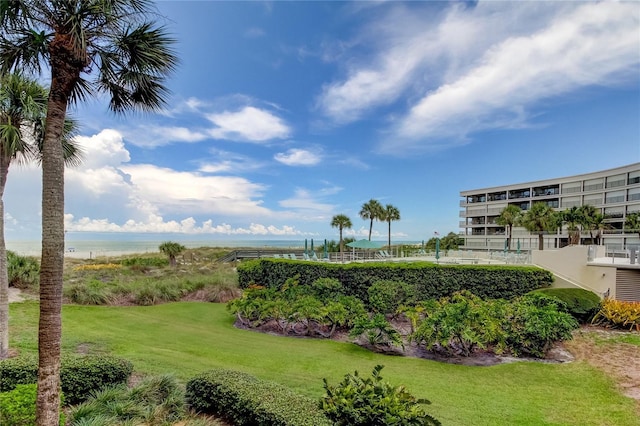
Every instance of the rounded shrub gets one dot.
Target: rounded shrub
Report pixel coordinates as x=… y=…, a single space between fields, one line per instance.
x=386 y=296
x=18 y=407
x=23 y=271
x=582 y=304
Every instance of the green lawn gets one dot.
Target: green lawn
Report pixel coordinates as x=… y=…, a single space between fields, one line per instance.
x=187 y=338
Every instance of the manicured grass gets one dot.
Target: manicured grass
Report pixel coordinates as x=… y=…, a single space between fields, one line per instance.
x=187 y=338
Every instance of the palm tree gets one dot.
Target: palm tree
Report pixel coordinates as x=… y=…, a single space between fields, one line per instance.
x=632 y=222
x=573 y=218
x=22 y=113
x=341 y=221
x=171 y=249
x=509 y=216
x=539 y=218
x=371 y=211
x=130 y=59
x=588 y=215
x=389 y=214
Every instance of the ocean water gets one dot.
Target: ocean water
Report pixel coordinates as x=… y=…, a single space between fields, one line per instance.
x=81 y=248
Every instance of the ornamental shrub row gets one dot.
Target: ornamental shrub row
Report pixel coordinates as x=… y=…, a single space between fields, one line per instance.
x=246 y=400
x=430 y=281
x=79 y=376
x=18 y=406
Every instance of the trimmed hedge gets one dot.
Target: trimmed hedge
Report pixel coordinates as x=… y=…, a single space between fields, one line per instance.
x=79 y=376
x=582 y=304
x=245 y=400
x=431 y=281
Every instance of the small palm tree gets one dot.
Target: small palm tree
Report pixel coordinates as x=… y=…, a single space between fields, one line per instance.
x=509 y=216
x=389 y=214
x=341 y=222
x=573 y=218
x=171 y=249
x=632 y=222
x=372 y=210
x=539 y=218
x=588 y=216
x=129 y=59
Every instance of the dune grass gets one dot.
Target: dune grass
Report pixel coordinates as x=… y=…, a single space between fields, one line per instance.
x=185 y=338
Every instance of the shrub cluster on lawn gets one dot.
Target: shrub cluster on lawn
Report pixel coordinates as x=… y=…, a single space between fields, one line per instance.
x=155 y=401
x=429 y=281
x=618 y=314
x=246 y=400
x=18 y=406
x=23 y=271
x=79 y=375
x=357 y=401
x=528 y=325
x=317 y=309
x=456 y=325
x=582 y=304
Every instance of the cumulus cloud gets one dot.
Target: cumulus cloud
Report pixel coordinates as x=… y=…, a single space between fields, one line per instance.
x=109 y=194
x=298 y=157
x=157 y=224
x=248 y=124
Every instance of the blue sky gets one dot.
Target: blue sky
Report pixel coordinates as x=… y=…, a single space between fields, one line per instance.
x=283 y=114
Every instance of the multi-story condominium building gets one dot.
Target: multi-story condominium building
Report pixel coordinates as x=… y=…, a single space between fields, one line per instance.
x=614 y=192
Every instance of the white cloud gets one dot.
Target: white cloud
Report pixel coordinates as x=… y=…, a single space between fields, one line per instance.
x=249 y=124
x=156 y=224
x=468 y=68
x=155 y=136
x=587 y=47
x=298 y=157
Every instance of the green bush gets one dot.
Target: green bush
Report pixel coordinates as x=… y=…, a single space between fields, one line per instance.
x=533 y=322
x=386 y=296
x=79 y=376
x=23 y=271
x=430 y=281
x=371 y=402
x=246 y=400
x=582 y=304
x=94 y=292
x=528 y=325
x=18 y=406
x=378 y=331
x=455 y=325
x=157 y=262
x=155 y=401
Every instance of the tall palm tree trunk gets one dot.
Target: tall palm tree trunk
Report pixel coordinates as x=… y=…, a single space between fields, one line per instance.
x=64 y=77
x=370 y=228
x=389 y=238
x=540 y=241
x=4 y=278
x=510 y=230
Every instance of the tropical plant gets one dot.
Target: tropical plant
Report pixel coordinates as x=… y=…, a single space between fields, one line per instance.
x=539 y=219
x=171 y=249
x=618 y=313
x=341 y=221
x=22 y=115
x=573 y=218
x=357 y=401
x=378 y=331
x=509 y=216
x=589 y=219
x=371 y=210
x=130 y=59
x=632 y=222
x=390 y=213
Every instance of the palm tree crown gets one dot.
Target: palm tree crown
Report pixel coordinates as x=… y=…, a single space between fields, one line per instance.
x=341 y=222
x=389 y=214
x=371 y=210
x=539 y=218
x=509 y=217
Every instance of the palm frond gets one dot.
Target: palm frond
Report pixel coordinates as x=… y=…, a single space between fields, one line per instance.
x=26 y=49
